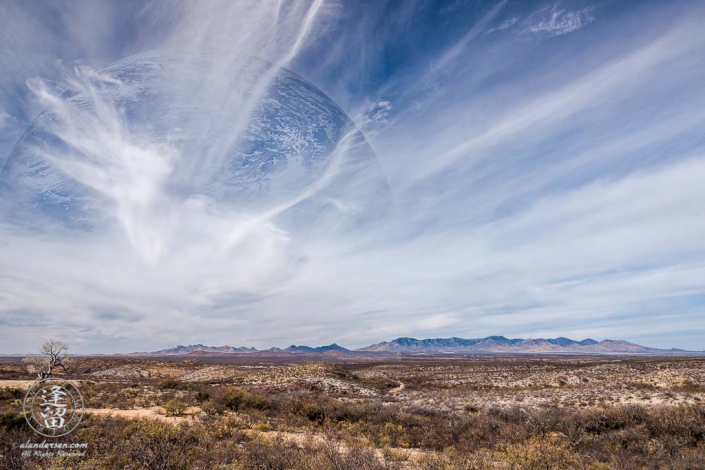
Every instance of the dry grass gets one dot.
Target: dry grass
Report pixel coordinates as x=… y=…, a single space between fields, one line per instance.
x=484 y=415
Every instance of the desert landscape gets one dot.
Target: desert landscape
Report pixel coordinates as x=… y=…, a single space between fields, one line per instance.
x=352 y=235
x=400 y=411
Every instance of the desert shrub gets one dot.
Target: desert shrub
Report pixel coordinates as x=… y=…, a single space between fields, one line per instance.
x=262 y=426
x=642 y=385
x=689 y=459
x=689 y=386
x=350 y=454
x=604 y=420
x=618 y=437
x=175 y=407
x=478 y=431
x=683 y=423
x=211 y=408
x=110 y=395
x=380 y=383
x=274 y=454
x=160 y=446
x=236 y=399
x=456 y=461
x=635 y=440
x=10 y=393
x=202 y=396
x=307 y=408
x=346 y=412
x=277 y=453
x=471 y=408
x=231 y=398
x=169 y=383
x=11 y=421
x=256 y=401
x=544 y=454
x=228 y=428
x=419 y=410
x=394 y=435
x=13 y=431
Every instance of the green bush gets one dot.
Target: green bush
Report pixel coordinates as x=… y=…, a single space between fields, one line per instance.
x=175 y=407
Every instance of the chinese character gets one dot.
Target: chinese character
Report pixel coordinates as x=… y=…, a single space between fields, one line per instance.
x=53 y=407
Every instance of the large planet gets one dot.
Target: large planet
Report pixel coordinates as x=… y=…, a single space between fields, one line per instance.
x=248 y=136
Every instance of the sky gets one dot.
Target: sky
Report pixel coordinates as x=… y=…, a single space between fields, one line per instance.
x=544 y=161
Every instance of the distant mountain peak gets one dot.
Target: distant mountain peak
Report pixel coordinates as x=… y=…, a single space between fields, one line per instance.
x=502 y=344
x=308 y=349
x=191 y=348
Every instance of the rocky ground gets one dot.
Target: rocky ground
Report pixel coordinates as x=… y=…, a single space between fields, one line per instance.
x=581 y=384
x=452 y=385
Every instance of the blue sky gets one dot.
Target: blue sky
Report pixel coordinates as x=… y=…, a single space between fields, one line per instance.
x=545 y=159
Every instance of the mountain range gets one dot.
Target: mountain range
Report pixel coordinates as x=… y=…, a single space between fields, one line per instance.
x=193 y=348
x=309 y=349
x=488 y=345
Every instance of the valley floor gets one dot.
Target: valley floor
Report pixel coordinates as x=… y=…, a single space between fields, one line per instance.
x=485 y=413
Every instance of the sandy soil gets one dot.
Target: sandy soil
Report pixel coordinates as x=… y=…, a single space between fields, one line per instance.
x=21 y=384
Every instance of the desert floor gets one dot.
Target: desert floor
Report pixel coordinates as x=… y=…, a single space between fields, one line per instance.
x=479 y=412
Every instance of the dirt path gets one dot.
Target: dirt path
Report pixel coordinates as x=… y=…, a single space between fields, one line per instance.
x=21 y=384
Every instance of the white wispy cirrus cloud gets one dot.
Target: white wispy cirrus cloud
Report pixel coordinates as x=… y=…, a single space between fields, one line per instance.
x=556 y=21
x=536 y=194
x=508 y=23
x=4 y=117
x=373 y=115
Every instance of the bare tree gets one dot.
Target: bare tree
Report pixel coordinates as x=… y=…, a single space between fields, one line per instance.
x=53 y=356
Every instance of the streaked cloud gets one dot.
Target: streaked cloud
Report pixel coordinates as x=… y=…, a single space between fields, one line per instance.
x=477 y=28
x=540 y=187
x=556 y=21
x=508 y=23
